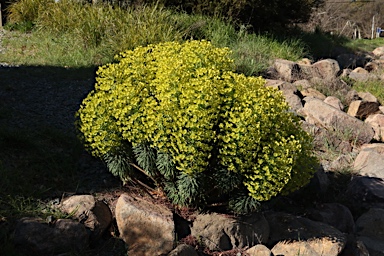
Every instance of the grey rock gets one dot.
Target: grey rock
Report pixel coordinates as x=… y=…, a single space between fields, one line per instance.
x=259 y=250
x=95 y=215
x=335 y=215
x=183 y=250
x=370 y=230
x=35 y=237
x=370 y=161
x=365 y=192
x=220 y=232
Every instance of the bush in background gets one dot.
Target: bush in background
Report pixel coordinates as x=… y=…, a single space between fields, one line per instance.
x=200 y=131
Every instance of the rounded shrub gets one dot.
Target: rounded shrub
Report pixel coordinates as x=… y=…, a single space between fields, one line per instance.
x=201 y=132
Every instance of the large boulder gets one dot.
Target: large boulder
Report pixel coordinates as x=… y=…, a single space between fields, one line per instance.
x=291 y=235
x=320 y=113
x=325 y=69
x=334 y=214
x=221 y=232
x=94 y=214
x=370 y=161
x=288 y=71
x=35 y=237
x=147 y=228
x=365 y=192
x=370 y=230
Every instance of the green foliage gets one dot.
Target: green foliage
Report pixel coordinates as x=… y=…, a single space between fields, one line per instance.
x=184 y=101
x=26 y=11
x=260 y=14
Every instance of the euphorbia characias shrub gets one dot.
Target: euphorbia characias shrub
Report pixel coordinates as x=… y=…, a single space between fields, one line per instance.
x=194 y=126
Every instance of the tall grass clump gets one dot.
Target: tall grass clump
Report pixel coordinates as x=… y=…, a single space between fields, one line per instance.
x=100 y=30
x=110 y=28
x=26 y=11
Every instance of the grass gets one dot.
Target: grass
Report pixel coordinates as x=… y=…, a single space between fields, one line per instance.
x=374 y=87
x=72 y=34
x=365 y=45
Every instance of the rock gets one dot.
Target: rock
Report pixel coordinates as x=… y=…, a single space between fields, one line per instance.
x=290 y=233
x=366 y=96
x=334 y=102
x=35 y=237
x=343 y=161
x=259 y=250
x=370 y=230
x=290 y=92
x=349 y=60
x=379 y=51
x=373 y=246
x=183 y=250
x=319 y=183
x=220 y=232
x=354 y=247
x=370 y=161
x=95 y=215
x=311 y=247
x=304 y=61
x=335 y=215
x=147 y=228
x=361 y=75
x=311 y=92
x=325 y=69
x=345 y=72
x=377 y=123
x=319 y=113
x=362 y=109
x=360 y=70
x=287 y=70
x=352 y=95
x=302 y=84
x=365 y=192
x=371 y=66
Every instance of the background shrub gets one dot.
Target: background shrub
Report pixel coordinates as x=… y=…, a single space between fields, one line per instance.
x=200 y=131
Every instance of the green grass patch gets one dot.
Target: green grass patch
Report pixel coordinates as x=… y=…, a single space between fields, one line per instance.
x=77 y=35
x=367 y=45
x=374 y=87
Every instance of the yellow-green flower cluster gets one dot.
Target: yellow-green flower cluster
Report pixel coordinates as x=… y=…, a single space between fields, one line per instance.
x=184 y=100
